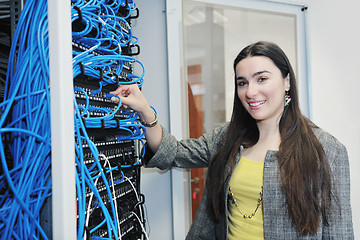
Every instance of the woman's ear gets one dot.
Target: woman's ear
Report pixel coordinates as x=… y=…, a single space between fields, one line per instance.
x=287 y=82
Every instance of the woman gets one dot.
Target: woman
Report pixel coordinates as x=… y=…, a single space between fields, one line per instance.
x=272 y=173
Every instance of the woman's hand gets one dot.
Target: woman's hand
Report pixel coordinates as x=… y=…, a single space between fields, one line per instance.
x=132 y=97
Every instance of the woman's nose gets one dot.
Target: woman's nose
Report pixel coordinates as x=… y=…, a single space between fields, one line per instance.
x=251 y=91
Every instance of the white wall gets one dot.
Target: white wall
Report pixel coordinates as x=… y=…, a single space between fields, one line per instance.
x=150 y=27
x=334 y=35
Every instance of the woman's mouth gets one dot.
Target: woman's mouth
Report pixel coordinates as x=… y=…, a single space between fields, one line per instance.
x=256 y=104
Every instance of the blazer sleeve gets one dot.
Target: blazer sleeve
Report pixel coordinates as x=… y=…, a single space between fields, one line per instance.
x=188 y=153
x=340 y=221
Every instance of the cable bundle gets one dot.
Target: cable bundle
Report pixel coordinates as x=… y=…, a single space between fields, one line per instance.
x=128 y=122
x=25 y=147
x=100 y=34
x=5 y=35
x=102 y=60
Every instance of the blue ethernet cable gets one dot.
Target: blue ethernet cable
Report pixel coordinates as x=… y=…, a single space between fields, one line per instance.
x=25 y=128
x=86 y=177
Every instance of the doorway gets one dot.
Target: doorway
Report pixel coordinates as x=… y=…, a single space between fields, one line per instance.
x=213 y=35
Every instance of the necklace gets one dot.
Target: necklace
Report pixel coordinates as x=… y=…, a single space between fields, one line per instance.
x=233 y=200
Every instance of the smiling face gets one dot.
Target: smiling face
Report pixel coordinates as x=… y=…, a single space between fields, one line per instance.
x=261 y=87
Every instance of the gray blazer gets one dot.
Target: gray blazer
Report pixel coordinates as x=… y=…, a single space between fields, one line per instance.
x=197 y=153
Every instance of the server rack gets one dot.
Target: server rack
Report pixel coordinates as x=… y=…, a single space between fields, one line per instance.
x=108 y=138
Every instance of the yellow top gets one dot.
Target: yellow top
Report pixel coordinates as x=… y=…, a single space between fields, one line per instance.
x=245 y=184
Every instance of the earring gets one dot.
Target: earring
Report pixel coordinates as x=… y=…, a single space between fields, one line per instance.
x=287 y=99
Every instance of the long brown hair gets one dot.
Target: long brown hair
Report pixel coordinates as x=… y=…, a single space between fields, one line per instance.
x=305 y=173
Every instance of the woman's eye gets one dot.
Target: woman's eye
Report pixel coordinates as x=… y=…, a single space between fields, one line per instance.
x=262 y=79
x=241 y=83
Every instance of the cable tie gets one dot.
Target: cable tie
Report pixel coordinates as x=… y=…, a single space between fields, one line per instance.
x=102 y=123
x=84 y=121
x=117 y=123
x=82 y=68
x=135 y=16
x=142 y=198
x=79 y=12
x=101 y=74
x=117 y=79
x=130 y=52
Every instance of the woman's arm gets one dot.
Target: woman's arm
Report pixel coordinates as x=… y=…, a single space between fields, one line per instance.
x=340 y=220
x=167 y=151
x=132 y=97
x=340 y=225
